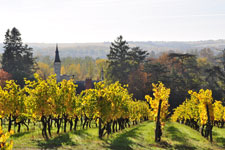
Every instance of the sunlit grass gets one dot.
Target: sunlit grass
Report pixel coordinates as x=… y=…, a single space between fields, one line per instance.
x=175 y=136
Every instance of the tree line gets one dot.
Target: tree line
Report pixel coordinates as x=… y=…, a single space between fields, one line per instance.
x=179 y=72
x=128 y=65
x=77 y=68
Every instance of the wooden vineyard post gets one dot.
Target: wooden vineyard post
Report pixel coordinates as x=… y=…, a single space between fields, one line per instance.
x=100 y=128
x=158 y=130
x=209 y=126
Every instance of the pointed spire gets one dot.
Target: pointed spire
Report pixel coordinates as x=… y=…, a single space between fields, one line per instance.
x=57 y=54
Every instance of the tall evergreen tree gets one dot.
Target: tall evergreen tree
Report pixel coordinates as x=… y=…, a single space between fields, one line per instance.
x=137 y=56
x=122 y=60
x=17 y=58
x=119 y=65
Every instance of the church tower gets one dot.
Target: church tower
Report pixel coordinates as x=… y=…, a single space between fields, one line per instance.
x=102 y=75
x=57 y=64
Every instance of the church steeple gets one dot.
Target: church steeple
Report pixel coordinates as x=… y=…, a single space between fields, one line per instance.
x=57 y=59
x=57 y=65
x=102 y=75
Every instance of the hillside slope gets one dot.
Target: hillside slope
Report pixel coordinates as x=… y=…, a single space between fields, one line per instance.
x=175 y=136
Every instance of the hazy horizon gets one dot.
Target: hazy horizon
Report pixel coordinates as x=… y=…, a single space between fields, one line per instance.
x=102 y=42
x=94 y=21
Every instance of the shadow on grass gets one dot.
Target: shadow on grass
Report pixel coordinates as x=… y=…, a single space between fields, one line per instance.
x=184 y=147
x=214 y=133
x=56 y=142
x=161 y=144
x=221 y=140
x=82 y=133
x=17 y=135
x=123 y=142
x=177 y=135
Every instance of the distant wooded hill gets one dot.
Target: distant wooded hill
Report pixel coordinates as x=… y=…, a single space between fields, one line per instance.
x=100 y=50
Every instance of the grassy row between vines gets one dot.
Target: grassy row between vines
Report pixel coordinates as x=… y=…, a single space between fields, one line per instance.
x=175 y=136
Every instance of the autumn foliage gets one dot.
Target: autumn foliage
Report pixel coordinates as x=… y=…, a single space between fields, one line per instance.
x=4 y=76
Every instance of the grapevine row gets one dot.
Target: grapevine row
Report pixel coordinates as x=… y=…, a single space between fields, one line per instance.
x=111 y=107
x=200 y=113
x=57 y=104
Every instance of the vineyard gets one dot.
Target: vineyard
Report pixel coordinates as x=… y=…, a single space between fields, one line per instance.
x=56 y=110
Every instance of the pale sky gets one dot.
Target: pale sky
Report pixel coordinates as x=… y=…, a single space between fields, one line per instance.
x=69 y=21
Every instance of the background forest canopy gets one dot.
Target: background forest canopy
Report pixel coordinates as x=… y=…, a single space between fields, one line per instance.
x=181 y=66
x=179 y=71
x=83 y=55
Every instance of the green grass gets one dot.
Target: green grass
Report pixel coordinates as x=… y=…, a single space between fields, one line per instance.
x=185 y=138
x=140 y=137
x=219 y=136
